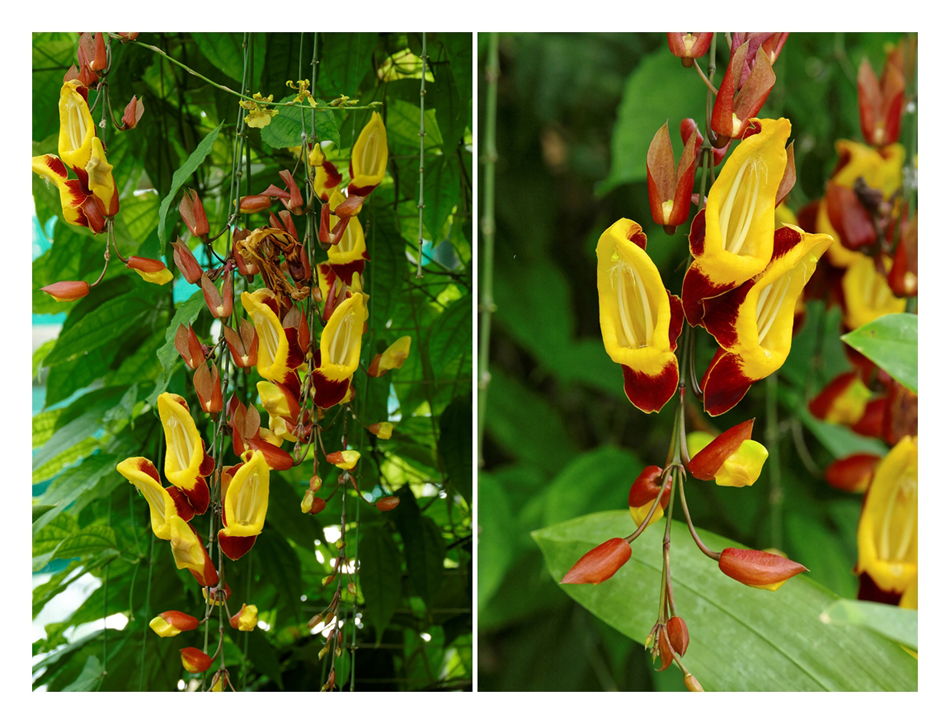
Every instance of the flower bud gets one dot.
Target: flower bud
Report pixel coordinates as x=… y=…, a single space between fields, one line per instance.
x=382 y=430
x=758 y=569
x=599 y=564
x=387 y=503
x=151 y=270
x=133 y=113
x=185 y=261
x=67 y=291
x=345 y=460
x=245 y=619
x=679 y=635
x=689 y=45
x=193 y=214
x=208 y=388
x=351 y=588
x=644 y=491
x=195 y=660
x=852 y=474
x=665 y=649
x=842 y=401
x=219 y=682
x=189 y=347
x=251 y=204
x=691 y=683
x=732 y=459
x=219 y=307
x=172 y=623
x=392 y=358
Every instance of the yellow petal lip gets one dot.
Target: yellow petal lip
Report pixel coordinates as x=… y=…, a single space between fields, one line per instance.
x=76 y=127
x=396 y=354
x=341 y=340
x=184 y=452
x=740 y=208
x=867 y=295
x=245 y=503
x=273 y=347
x=370 y=154
x=764 y=321
x=634 y=305
x=137 y=470
x=887 y=530
x=186 y=548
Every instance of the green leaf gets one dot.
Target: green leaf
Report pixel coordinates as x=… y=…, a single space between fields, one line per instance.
x=179 y=178
x=425 y=553
x=91 y=674
x=495 y=549
x=455 y=444
x=92 y=539
x=226 y=53
x=897 y=624
x=380 y=577
x=891 y=343
x=658 y=90
x=742 y=638
x=285 y=128
x=441 y=193
x=95 y=405
x=345 y=60
x=262 y=655
x=40 y=355
x=451 y=334
x=186 y=313
x=106 y=324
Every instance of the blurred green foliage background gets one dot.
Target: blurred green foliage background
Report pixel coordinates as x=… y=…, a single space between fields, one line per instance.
x=576 y=114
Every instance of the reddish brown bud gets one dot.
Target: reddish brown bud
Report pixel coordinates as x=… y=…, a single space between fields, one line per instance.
x=219 y=308
x=707 y=462
x=193 y=214
x=195 y=660
x=243 y=346
x=852 y=474
x=251 y=204
x=646 y=487
x=208 y=387
x=692 y=683
x=185 y=261
x=599 y=564
x=664 y=648
x=133 y=113
x=679 y=635
x=902 y=278
x=67 y=291
x=387 y=503
x=188 y=346
x=689 y=45
x=349 y=208
x=881 y=103
x=670 y=185
x=758 y=569
x=295 y=202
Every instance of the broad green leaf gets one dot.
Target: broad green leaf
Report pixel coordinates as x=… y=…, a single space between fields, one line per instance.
x=441 y=193
x=494 y=545
x=891 y=343
x=93 y=539
x=263 y=655
x=658 y=90
x=185 y=313
x=455 y=444
x=91 y=674
x=72 y=483
x=110 y=322
x=96 y=404
x=607 y=474
x=80 y=450
x=179 y=178
x=380 y=577
x=40 y=355
x=425 y=553
x=741 y=638
x=226 y=53
x=451 y=335
x=402 y=129
x=284 y=129
x=345 y=59
x=897 y=624
x=526 y=424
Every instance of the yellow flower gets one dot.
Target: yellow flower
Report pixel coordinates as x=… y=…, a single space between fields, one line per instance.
x=143 y=475
x=76 y=127
x=369 y=158
x=184 y=450
x=887 y=531
x=273 y=347
x=245 y=503
x=639 y=319
x=341 y=340
x=867 y=295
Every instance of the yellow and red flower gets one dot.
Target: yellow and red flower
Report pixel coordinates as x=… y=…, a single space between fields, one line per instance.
x=186 y=462
x=733 y=459
x=339 y=354
x=163 y=506
x=245 y=505
x=639 y=319
x=731 y=240
x=753 y=322
x=172 y=623
x=643 y=494
x=887 y=530
x=369 y=158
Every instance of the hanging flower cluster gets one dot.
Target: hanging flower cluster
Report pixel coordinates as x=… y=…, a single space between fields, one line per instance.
x=297 y=327
x=89 y=196
x=745 y=280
